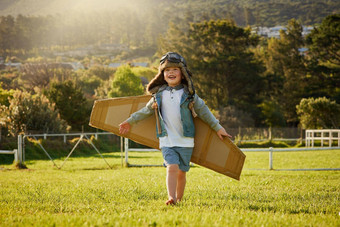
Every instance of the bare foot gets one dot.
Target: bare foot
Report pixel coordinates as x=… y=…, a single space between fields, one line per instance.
x=170 y=202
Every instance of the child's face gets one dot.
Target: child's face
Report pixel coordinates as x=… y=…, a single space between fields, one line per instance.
x=173 y=76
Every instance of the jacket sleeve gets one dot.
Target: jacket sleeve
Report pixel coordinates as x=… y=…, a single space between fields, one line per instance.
x=205 y=114
x=141 y=114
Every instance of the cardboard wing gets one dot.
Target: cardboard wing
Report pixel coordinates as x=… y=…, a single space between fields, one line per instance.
x=221 y=156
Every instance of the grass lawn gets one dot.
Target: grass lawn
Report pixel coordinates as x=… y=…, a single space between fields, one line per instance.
x=86 y=193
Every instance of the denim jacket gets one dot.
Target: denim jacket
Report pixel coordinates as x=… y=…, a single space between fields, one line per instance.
x=200 y=108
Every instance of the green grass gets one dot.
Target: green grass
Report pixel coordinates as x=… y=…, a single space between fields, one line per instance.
x=86 y=193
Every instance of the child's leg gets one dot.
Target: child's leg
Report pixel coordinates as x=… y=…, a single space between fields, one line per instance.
x=171 y=182
x=181 y=181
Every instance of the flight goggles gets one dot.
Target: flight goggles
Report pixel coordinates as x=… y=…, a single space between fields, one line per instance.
x=173 y=57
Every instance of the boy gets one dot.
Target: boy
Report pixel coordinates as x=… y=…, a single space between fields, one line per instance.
x=174 y=104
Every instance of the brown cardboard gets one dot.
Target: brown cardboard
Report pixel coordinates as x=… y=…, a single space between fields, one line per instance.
x=221 y=156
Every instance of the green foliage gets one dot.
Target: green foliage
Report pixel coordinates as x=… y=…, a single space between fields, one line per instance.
x=318 y=113
x=31 y=113
x=5 y=95
x=94 y=81
x=88 y=83
x=324 y=59
x=9 y=79
x=272 y=112
x=232 y=117
x=102 y=72
x=148 y=73
x=324 y=40
x=126 y=83
x=287 y=68
x=71 y=103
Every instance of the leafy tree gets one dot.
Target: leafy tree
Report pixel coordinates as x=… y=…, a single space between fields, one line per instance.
x=145 y=72
x=7 y=33
x=324 y=42
x=71 y=103
x=174 y=40
x=232 y=117
x=102 y=72
x=226 y=70
x=272 y=112
x=126 y=83
x=31 y=113
x=324 y=59
x=88 y=84
x=318 y=113
x=287 y=65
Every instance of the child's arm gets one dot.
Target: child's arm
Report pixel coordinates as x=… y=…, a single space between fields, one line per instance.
x=205 y=114
x=141 y=114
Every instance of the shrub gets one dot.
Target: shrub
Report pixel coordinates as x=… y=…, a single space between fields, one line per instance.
x=31 y=113
x=126 y=83
x=318 y=113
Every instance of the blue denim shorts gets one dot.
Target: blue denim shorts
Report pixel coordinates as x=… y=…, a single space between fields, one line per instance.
x=178 y=155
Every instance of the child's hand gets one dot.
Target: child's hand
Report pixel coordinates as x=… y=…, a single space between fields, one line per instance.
x=124 y=127
x=222 y=133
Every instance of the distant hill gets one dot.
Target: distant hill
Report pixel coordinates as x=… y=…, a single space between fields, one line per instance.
x=117 y=26
x=50 y=7
x=244 y=12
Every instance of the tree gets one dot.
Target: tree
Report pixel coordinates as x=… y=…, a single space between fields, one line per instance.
x=71 y=103
x=324 y=42
x=40 y=74
x=126 y=83
x=226 y=70
x=7 y=33
x=272 y=112
x=31 y=113
x=324 y=59
x=286 y=65
x=318 y=113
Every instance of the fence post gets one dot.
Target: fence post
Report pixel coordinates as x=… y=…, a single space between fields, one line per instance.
x=126 y=148
x=271 y=158
x=15 y=155
x=121 y=149
x=20 y=149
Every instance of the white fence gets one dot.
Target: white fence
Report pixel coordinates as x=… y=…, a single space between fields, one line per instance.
x=19 y=154
x=14 y=152
x=329 y=135
x=270 y=150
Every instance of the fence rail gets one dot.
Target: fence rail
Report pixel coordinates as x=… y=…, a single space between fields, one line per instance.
x=14 y=152
x=270 y=150
x=19 y=154
x=322 y=135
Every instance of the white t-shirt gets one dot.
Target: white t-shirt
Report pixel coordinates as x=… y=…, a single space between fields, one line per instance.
x=171 y=114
